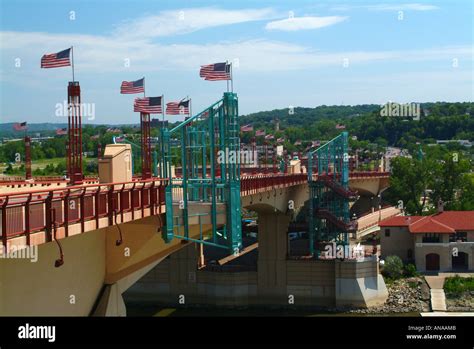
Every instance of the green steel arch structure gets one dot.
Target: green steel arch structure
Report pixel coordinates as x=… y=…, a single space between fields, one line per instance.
x=204 y=179
x=328 y=179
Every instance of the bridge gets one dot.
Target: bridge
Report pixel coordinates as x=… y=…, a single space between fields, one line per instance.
x=95 y=240
x=83 y=208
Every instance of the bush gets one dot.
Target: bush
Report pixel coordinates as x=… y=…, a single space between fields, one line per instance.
x=410 y=270
x=393 y=267
x=457 y=285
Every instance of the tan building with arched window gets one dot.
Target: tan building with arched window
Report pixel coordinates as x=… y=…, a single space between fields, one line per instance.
x=440 y=242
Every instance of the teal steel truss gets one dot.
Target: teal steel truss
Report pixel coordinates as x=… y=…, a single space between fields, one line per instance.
x=204 y=151
x=328 y=179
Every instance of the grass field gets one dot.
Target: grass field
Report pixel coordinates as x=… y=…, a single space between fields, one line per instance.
x=35 y=164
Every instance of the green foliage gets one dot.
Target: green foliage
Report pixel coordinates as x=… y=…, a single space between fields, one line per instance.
x=438 y=176
x=393 y=267
x=457 y=285
x=445 y=121
x=410 y=270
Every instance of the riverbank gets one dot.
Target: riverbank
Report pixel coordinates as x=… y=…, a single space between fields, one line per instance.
x=407 y=295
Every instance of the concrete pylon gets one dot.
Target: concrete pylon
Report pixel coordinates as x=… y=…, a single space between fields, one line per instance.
x=272 y=241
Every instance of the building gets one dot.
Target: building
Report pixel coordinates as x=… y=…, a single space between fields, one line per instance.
x=440 y=242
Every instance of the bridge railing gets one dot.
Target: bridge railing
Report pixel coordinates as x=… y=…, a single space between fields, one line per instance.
x=41 y=180
x=253 y=184
x=25 y=213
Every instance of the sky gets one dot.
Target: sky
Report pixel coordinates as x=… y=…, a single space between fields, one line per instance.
x=284 y=53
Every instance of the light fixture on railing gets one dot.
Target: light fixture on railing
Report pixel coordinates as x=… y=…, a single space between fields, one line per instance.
x=60 y=260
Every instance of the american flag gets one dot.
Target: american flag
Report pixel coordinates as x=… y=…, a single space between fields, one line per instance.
x=269 y=137
x=298 y=142
x=61 y=131
x=246 y=128
x=177 y=108
x=260 y=133
x=20 y=126
x=340 y=127
x=280 y=140
x=150 y=105
x=215 y=72
x=56 y=60
x=129 y=87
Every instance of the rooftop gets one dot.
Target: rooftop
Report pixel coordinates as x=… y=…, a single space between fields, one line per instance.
x=447 y=222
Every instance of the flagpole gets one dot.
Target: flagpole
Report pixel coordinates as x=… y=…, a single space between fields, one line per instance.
x=190 y=112
x=72 y=66
x=163 y=109
x=231 y=79
x=225 y=70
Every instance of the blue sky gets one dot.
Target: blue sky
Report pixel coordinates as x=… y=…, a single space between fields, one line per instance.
x=292 y=53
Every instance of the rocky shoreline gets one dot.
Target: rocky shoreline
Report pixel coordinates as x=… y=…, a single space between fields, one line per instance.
x=404 y=296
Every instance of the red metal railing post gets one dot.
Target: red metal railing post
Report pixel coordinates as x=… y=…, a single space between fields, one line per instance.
x=131 y=200
x=97 y=207
x=4 y=222
x=142 y=199
x=48 y=222
x=110 y=204
x=152 y=198
x=121 y=203
x=82 y=209
x=66 y=204
x=27 y=219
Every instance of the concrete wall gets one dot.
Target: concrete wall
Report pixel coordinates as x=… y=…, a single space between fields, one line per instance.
x=398 y=244
x=307 y=283
x=40 y=289
x=277 y=281
x=445 y=250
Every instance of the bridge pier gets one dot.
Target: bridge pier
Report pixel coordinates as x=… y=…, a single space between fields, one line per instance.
x=272 y=241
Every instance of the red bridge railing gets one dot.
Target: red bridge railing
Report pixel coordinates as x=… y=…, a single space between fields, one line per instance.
x=253 y=184
x=25 y=213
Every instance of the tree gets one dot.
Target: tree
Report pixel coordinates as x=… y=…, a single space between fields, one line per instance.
x=410 y=181
x=449 y=179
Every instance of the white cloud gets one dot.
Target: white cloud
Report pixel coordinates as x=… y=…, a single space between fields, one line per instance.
x=403 y=7
x=388 y=7
x=304 y=23
x=99 y=54
x=189 y=20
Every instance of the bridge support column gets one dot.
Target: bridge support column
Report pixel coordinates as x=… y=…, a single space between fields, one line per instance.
x=272 y=250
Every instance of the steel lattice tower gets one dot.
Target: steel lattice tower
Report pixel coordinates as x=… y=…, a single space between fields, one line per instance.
x=328 y=179
x=205 y=137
